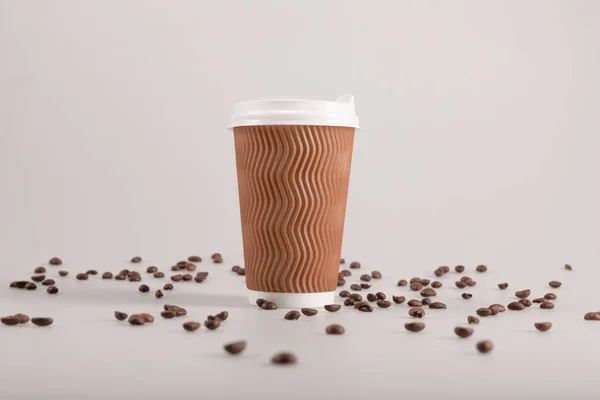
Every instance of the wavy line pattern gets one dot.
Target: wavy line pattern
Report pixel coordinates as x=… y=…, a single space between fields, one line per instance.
x=293 y=186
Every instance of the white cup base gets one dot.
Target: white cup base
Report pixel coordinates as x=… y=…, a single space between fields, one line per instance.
x=293 y=300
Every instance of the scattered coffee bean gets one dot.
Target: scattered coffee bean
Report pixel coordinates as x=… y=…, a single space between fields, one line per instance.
x=158 y=274
x=216 y=255
x=284 y=359
x=414 y=326
x=416 y=312
x=460 y=284
x=191 y=267
x=555 y=284
x=371 y=297
x=309 y=312
x=483 y=312
x=436 y=305
x=40 y=270
x=515 y=306
x=383 y=304
x=81 y=277
x=355 y=265
x=539 y=300
x=342 y=261
x=398 y=299
x=200 y=278
x=38 y=278
x=335 y=329
x=63 y=273
x=268 y=305
x=151 y=270
x=218 y=260
x=212 y=324
x=445 y=269
x=438 y=272
x=187 y=277
x=568 y=267
x=402 y=282
x=23 y=319
x=365 y=307
x=174 y=268
x=465 y=278
x=543 y=326
x=380 y=296
x=11 y=320
x=414 y=303
x=466 y=296
x=158 y=294
x=356 y=287
x=497 y=308
x=144 y=288
x=547 y=305
x=259 y=302
x=147 y=317
x=120 y=277
x=235 y=268
x=292 y=315
x=365 y=286
x=48 y=282
x=470 y=282
x=192 y=326
x=195 y=259
x=30 y=286
x=485 y=346
x=356 y=297
x=235 y=347
x=136 y=259
x=436 y=284
x=168 y=314
x=349 y=302
x=177 y=278
x=592 y=316
x=522 y=294
x=120 y=316
x=550 y=296
x=428 y=292
x=168 y=286
x=332 y=307
x=472 y=320
x=107 y=275
x=345 y=272
x=503 y=285
x=136 y=319
x=13 y=284
x=424 y=282
x=426 y=301
x=463 y=332
x=55 y=261
x=416 y=286
x=376 y=275
x=344 y=293
x=52 y=290
x=365 y=277
x=481 y=268
x=42 y=321
x=525 y=302
x=341 y=282
x=124 y=272
x=460 y=269
x=91 y=272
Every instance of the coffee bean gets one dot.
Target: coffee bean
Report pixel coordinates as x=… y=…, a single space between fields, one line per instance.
x=365 y=286
x=63 y=273
x=341 y=282
x=91 y=272
x=466 y=296
x=335 y=329
x=349 y=302
x=144 y=288
x=216 y=255
x=203 y=274
x=212 y=324
x=121 y=316
x=136 y=259
x=42 y=321
x=380 y=296
x=402 y=282
x=538 y=300
x=147 y=317
x=426 y=301
x=259 y=302
x=472 y=320
x=174 y=268
x=11 y=320
x=372 y=297
x=136 y=319
x=465 y=278
x=525 y=302
x=158 y=274
x=356 y=297
x=515 y=306
x=190 y=267
x=342 y=261
x=40 y=270
x=345 y=272
x=503 y=286
x=200 y=278
x=568 y=267
x=483 y=312
x=107 y=275
x=365 y=277
x=13 y=284
x=485 y=346
x=332 y=307
x=151 y=270
x=218 y=260
x=398 y=299
x=177 y=278
x=522 y=294
x=38 y=278
x=284 y=359
x=547 y=305
x=355 y=287
x=383 y=304
x=168 y=314
x=158 y=294
x=55 y=261
x=414 y=303
x=436 y=284
x=355 y=265
x=436 y=305
x=376 y=275
x=497 y=308
x=416 y=312
x=124 y=272
x=81 y=277
x=470 y=282
x=292 y=315
x=481 y=268
x=543 y=326
x=235 y=347
x=428 y=292
x=463 y=332
x=414 y=326
x=268 y=305
x=235 y=268
x=555 y=284
x=52 y=290
x=309 y=312
x=438 y=272
x=592 y=316
x=424 y=282
x=550 y=296
x=460 y=269
x=48 y=282
x=416 y=286
x=445 y=269
x=168 y=286
x=187 y=277
x=460 y=285
x=192 y=326
x=365 y=307
x=195 y=259
x=30 y=286
x=120 y=277
x=344 y=293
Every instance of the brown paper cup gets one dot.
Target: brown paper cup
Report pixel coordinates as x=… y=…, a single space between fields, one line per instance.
x=293 y=186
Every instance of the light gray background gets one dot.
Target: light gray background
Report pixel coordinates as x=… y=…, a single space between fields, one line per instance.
x=479 y=145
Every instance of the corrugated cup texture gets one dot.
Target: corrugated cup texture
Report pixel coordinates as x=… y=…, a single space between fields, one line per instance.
x=293 y=186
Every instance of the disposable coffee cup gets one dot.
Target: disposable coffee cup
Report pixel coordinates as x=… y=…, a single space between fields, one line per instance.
x=293 y=162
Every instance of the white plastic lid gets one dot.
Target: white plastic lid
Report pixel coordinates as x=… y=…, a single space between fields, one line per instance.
x=295 y=112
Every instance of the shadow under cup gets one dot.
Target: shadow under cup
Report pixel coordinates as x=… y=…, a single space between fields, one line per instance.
x=293 y=186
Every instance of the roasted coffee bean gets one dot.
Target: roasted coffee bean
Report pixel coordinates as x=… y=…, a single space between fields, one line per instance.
x=543 y=326
x=309 y=312
x=460 y=269
x=151 y=270
x=174 y=268
x=424 y=282
x=416 y=286
x=195 y=259
x=463 y=332
x=203 y=274
x=259 y=302
x=158 y=294
x=63 y=273
x=485 y=346
x=48 y=282
x=187 y=277
x=376 y=275
x=332 y=307
x=428 y=292
x=216 y=255
x=235 y=268
x=14 y=284
x=465 y=278
x=30 y=286
x=81 y=277
x=497 y=308
x=472 y=320
x=107 y=275
x=481 y=268
x=438 y=272
x=42 y=321
x=568 y=267
x=365 y=286
x=136 y=319
x=190 y=267
x=460 y=285
x=40 y=270
x=144 y=288
x=292 y=315
x=383 y=304
x=11 y=320
x=525 y=302
x=120 y=316
x=168 y=286
x=52 y=290
x=242 y=272
x=284 y=359
x=177 y=278
x=23 y=319
x=191 y=326
x=436 y=305
x=38 y=278
x=592 y=316
x=235 y=347
x=158 y=274
x=365 y=277
x=168 y=314
x=335 y=329
x=503 y=286
x=426 y=301
x=147 y=317
x=445 y=269
x=381 y=295
x=356 y=297
x=414 y=326
x=398 y=299
x=466 y=296
x=356 y=287
x=344 y=293
x=212 y=324
x=555 y=284
x=515 y=306
x=371 y=297
x=218 y=260
x=200 y=278
x=120 y=277
x=136 y=259
x=523 y=294
x=268 y=305
x=55 y=261
x=342 y=261
x=414 y=303
x=345 y=272
x=547 y=305
x=539 y=300
x=365 y=308
x=470 y=282
x=91 y=272
x=484 y=312
x=436 y=284
x=550 y=296
x=355 y=265
x=124 y=272
x=349 y=302
x=416 y=312
x=402 y=282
